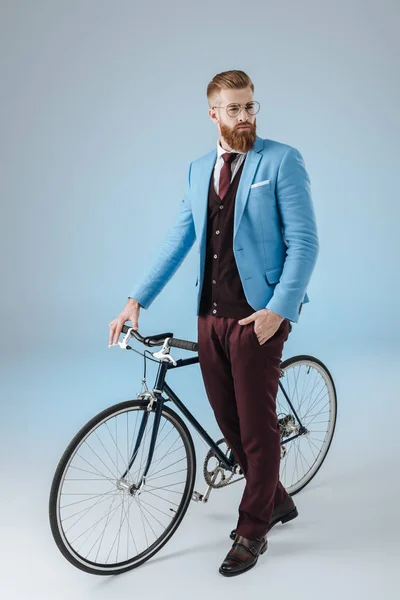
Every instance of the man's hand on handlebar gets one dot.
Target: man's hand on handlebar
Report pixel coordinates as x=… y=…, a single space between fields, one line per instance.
x=129 y=313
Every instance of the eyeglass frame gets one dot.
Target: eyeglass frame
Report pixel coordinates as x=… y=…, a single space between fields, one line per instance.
x=241 y=106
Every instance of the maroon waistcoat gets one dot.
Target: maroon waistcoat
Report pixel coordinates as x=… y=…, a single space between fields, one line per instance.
x=222 y=293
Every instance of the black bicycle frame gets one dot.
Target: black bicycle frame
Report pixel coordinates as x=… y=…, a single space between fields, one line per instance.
x=227 y=462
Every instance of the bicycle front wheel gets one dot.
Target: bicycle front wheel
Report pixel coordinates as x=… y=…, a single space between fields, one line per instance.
x=99 y=520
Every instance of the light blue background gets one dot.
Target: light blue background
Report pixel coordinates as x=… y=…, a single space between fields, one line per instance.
x=103 y=107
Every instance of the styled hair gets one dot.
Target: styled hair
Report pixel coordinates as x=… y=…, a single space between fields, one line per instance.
x=227 y=80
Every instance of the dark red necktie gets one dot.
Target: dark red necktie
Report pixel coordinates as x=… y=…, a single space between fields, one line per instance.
x=226 y=173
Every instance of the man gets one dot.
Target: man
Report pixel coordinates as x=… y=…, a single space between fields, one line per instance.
x=248 y=205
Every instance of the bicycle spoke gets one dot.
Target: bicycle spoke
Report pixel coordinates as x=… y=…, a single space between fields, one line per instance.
x=165 y=475
x=85 y=510
x=97 y=471
x=155 y=508
x=161 y=498
x=100 y=459
x=80 y=501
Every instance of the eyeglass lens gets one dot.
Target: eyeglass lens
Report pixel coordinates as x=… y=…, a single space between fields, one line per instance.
x=233 y=109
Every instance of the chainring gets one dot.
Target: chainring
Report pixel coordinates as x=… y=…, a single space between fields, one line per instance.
x=215 y=475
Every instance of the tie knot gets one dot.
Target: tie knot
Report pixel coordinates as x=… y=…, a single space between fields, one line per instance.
x=229 y=156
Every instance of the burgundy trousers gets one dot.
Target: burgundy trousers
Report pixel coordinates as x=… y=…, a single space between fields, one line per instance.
x=241 y=380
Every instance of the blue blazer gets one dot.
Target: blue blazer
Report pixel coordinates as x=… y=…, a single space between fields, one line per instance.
x=275 y=240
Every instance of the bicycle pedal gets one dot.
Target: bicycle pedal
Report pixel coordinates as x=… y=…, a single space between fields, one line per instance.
x=197 y=497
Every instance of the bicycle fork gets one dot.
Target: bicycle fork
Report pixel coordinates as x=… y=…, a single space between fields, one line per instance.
x=122 y=483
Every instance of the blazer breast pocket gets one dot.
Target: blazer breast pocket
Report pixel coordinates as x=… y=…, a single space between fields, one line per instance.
x=260 y=186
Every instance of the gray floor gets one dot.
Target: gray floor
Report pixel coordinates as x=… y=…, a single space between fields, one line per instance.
x=345 y=540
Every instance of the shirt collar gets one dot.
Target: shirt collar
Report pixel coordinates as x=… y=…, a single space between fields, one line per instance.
x=221 y=150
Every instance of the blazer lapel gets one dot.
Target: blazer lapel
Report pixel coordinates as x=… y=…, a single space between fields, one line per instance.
x=253 y=157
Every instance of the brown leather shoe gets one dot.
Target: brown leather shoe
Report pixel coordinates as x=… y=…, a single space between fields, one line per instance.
x=243 y=555
x=284 y=512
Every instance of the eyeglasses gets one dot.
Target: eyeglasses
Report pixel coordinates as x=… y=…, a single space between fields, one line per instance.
x=232 y=110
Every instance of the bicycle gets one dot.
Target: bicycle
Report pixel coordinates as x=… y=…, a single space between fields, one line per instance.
x=106 y=463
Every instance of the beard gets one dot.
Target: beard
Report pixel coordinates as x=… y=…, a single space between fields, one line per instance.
x=241 y=140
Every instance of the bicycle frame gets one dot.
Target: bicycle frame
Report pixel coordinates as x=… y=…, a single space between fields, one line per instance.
x=227 y=462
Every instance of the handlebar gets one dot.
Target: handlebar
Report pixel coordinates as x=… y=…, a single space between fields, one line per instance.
x=159 y=339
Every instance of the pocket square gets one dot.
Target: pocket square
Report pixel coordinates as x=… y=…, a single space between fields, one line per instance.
x=260 y=183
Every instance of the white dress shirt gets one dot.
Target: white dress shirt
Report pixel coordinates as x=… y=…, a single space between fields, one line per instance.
x=235 y=164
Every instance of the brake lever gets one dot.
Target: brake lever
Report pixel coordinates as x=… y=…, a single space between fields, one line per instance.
x=124 y=344
x=164 y=354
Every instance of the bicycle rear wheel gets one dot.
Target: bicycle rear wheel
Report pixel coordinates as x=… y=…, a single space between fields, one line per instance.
x=312 y=394
x=99 y=521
